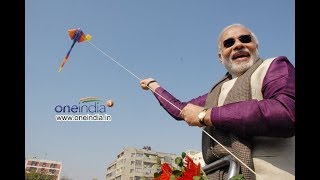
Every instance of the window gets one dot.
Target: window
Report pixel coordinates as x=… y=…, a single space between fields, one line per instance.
x=34 y=163
x=52 y=171
x=53 y=165
x=138 y=163
x=148 y=165
x=33 y=169
x=139 y=155
x=138 y=170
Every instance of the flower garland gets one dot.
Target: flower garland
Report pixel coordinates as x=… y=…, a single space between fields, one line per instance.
x=187 y=170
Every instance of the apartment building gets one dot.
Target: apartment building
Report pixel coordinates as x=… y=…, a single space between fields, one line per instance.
x=48 y=167
x=136 y=164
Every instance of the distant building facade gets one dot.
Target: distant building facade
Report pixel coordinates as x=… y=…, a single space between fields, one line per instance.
x=196 y=157
x=135 y=164
x=48 y=167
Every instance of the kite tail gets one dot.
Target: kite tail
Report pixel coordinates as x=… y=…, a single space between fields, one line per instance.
x=64 y=61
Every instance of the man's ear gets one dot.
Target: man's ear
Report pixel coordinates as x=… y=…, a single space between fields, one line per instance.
x=220 y=57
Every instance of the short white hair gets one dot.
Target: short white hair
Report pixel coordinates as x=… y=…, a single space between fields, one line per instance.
x=235 y=25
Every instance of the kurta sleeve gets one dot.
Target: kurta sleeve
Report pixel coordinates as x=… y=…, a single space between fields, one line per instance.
x=172 y=105
x=274 y=116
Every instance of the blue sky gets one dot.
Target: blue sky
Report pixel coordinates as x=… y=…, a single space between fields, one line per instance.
x=172 y=41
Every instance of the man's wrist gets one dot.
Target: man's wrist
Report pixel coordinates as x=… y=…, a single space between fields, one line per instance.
x=201 y=116
x=207 y=119
x=152 y=81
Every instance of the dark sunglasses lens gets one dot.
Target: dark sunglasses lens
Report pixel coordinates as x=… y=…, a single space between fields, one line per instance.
x=245 y=38
x=228 y=43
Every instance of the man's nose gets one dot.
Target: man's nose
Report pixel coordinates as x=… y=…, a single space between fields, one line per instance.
x=238 y=44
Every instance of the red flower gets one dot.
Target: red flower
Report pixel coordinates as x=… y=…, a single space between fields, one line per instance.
x=191 y=169
x=166 y=172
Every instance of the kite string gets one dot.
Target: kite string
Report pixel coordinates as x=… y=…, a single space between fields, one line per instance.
x=115 y=61
x=133 y=74
x=175 y=107
x=231 y=153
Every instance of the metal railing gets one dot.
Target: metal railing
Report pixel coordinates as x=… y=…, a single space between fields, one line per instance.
x=234 y=166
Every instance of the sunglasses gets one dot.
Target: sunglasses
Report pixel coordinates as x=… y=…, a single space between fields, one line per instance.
x=243 y=38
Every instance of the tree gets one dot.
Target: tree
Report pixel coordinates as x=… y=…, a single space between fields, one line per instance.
x=39 y=176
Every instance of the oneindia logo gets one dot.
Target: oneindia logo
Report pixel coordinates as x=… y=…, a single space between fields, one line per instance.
x=87 y=109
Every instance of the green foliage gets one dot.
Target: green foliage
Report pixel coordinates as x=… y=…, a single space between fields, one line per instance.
x=200 y=178
x=177 y=173
x=39 y=176
x=179 y=161
x=238 y=177
x=158 y=161
x=157 y=174
x=183 y=155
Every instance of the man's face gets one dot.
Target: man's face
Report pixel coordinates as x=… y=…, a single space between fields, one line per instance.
x=238 y=50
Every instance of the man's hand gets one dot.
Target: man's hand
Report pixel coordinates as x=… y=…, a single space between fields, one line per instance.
x=149 y=83
x=190 y=114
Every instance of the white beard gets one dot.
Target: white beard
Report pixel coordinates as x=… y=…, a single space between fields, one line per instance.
x=236 y=69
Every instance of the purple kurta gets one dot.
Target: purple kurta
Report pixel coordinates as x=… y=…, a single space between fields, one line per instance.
x=273 y=116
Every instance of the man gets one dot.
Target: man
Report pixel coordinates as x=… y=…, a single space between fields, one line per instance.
x=251 y=110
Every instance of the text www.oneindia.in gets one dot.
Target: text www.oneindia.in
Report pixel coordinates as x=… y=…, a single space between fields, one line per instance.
x=84 y=117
